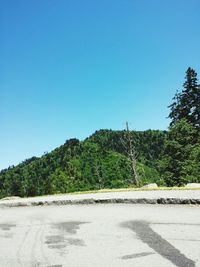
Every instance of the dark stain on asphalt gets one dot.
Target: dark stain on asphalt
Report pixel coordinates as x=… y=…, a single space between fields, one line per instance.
x=6 y=226
x=62 y=239
x=57 y=246
x=136 y=255
x=158 y=244
x=54 y=239
x=7 y=235
x=59 y=242
x=75 y=242
x=70 y=227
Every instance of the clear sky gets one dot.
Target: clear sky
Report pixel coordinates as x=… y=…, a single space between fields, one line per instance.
x=70 y=67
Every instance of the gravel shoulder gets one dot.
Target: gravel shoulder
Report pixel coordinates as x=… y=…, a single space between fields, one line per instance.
x=132 y=197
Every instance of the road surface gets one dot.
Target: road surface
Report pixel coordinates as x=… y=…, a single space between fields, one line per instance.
x=100 y=235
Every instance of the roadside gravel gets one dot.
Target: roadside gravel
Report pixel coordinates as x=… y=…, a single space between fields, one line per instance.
x=132 y=197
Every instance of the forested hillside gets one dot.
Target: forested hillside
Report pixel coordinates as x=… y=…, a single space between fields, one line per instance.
x=113 y=159
x=98 y=162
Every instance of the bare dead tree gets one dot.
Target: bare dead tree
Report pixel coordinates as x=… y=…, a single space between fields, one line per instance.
x=97 y=171
x=130 y=151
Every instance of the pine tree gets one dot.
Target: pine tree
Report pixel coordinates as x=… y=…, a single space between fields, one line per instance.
x=178 y=148
x=186 y=104
x=180 y=162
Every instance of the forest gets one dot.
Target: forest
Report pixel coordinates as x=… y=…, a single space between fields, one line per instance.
x=118 y=159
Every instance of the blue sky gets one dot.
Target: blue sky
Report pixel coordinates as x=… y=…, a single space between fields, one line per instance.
x=70 y=67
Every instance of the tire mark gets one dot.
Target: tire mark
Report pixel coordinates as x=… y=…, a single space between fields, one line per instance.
x=33 y=249
x=136 y=255
x=39 y=242
x=42 y=246
x=21 y=245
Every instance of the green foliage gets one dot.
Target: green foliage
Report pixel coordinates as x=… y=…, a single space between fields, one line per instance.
x=186 y=104
x=149 y=175
x=98 y=162
x=180 y=163
x=191 y=166
x=149 y=144
x=177 y=173
x=177 y=151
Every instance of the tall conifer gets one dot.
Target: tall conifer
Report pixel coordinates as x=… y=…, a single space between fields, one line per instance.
x=186 y=104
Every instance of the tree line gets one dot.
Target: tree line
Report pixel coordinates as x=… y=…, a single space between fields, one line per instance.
x=113 y=159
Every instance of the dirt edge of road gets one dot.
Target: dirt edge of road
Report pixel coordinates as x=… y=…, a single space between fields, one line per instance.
x=162 y=201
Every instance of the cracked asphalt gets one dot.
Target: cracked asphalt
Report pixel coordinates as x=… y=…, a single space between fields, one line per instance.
x=100 y=235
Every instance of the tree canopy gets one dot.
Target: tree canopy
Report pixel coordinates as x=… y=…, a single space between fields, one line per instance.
x=100 y=161
x=186 y=104
x=180 y=163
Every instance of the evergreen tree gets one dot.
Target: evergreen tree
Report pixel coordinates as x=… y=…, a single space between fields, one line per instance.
x=180 y=162
x=187 y=103
x=178 y=152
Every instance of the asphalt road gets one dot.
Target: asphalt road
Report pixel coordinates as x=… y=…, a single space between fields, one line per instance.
x=100 y=235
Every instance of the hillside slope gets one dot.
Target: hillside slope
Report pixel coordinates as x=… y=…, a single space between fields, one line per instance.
x=97 y=162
